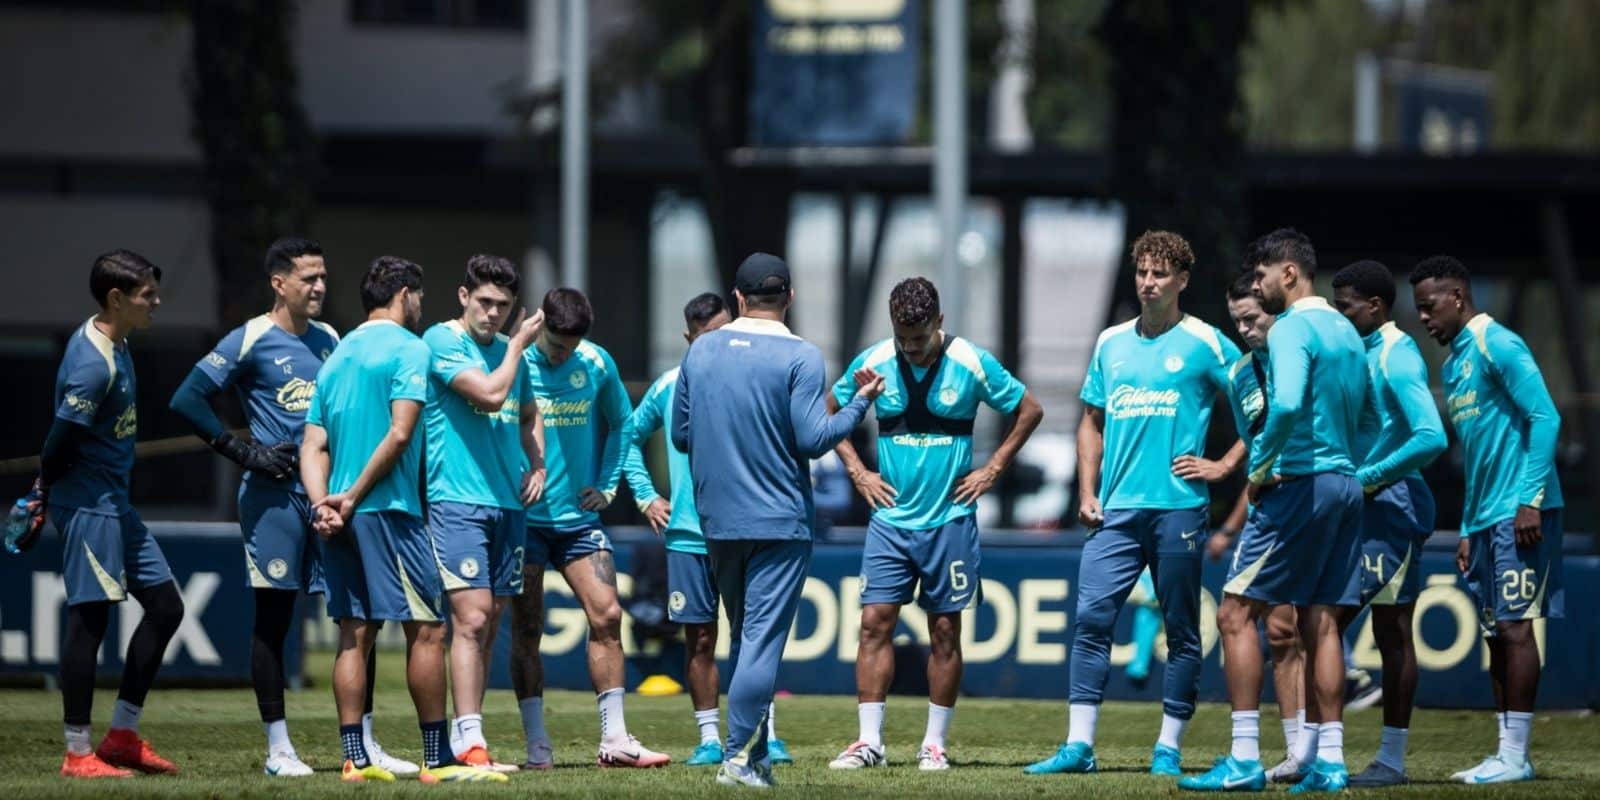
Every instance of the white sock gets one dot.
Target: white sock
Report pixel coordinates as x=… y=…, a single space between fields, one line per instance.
x=1330 y=742
x=1246 y=736
x=278 y=737
x=1500 y=732
x=706 y=721
x=612 y=726
x=1305 y=745
x=1519 y=724
x=772 y=721
x=1291 y=731
x=1081 y=719
x=1172 y=730
x=532 y=709
x=125 y=716
x=1392 y=751
x=366 y=734
x=938 y=724
x=78 y=740
x=469 y=730
x=871 y=720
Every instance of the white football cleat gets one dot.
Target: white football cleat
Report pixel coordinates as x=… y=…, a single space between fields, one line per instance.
x=1466 y=774
x=860 y=755
x=397 y=766
x=286 y=765
x=932 y=758
x=1287 y=771
x=629 y=753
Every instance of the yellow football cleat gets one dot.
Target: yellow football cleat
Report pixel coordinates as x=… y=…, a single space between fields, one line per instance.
x=370 y=772
x=459 y=773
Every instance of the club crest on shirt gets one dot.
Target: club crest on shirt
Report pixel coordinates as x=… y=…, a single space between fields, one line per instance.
x=1174 y=363
x=578 y=379
x=948 y=395
x=1466 y=369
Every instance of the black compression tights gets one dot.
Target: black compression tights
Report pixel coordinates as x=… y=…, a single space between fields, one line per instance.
x=274 y=615
x=86 y=629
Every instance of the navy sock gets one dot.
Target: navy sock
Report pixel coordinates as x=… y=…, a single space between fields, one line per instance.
x=436 y=750
x=355 y=750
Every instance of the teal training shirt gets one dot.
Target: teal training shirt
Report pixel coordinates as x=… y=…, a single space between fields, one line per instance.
x=473 y=457
x=376 y=364
x=1157 y=394
x=1316 y=386
x=1400 y=431
x=654 y=409
x=585 y=406
x=1246 y=398
x=924 y=467
x=1507 y=423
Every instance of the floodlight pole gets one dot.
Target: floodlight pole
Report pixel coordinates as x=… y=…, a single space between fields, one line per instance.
x=575 y=145
x=950 y=152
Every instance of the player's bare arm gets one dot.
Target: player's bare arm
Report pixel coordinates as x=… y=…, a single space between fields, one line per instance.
x=977 y=482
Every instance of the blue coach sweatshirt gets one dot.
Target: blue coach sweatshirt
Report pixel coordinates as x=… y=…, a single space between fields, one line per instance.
x=749 y=410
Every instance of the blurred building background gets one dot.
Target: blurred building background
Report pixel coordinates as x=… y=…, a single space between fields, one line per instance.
x=195 y=132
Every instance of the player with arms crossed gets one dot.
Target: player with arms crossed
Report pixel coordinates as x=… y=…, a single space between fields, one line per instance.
x=484 y=465
x=1399 y=433
x=360 y=461
x=1510 y=550
x=272 y=362
x=748 y=409
x=924 y=524
x=584 y=406
x=693 y=593
x=1148 y=397
x=107 y=552
x=1302 y=546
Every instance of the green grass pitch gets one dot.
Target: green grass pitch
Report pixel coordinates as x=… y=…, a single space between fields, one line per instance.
x=216 y=740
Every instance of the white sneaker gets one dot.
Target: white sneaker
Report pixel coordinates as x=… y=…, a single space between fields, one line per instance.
x=398 y=766
x=1287 y=771
x=931 y=758
x=286 y=765
x=540 y=755
x=629 y=753
x=1499 y=770
x=858 y=756
x=1466 y=774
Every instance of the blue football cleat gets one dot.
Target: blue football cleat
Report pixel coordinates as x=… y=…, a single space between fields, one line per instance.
x=778 y=752
x=1166 y=761
x=1325 y=776
x=1228 y=775
x=1069 y=757
x=706 y=755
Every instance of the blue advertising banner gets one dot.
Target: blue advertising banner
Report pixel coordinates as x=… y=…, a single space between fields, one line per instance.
x=211 y=646
x=833 y=72
x=1017 y=643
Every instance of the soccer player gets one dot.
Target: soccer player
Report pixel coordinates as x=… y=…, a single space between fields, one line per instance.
x=924 y=526
x=693 y=598
x=272 y=362
x=1302 y=546
x=1147 y=399
x=1399 y=434
x=585 y=406
x=1246 y=377
x=483 y=466
x=748 y=409
x=107 y=553
x=1510 y=549
x=360 y=464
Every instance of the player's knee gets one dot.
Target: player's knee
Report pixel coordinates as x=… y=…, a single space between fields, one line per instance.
x=163 y=607
x=1282 y=638
x=1095 y=617
x=471 y=623
x=877 y=625
x=1234 y=618
x=944 y=635
x=605 y=621
x=701 y=640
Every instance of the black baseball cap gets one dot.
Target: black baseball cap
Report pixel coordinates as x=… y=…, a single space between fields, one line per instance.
x=756 y=275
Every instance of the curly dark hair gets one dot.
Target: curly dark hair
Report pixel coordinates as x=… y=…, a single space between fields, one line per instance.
x=1367 y=278
x=1165 y=247
x=1444 y=267
x=914 y=301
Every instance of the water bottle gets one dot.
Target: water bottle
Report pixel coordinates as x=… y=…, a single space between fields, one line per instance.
x=17 y=524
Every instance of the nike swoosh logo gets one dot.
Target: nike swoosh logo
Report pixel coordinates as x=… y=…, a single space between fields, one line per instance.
x=959 y=598
x=280 y=361
x=1189 y=534
x=1487 y=778
x=1232 y=784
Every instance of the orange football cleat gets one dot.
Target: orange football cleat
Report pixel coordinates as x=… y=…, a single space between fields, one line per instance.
x=124 y=748
x=89 y=765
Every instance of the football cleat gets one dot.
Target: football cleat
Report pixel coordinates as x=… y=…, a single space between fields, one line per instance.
x=1228 y=775
x=478 y=756
x=459 y=773
x=629 y=753
x=1166 y=761
x=1325 y=776
x=1069 y=757
x=89 y=765
x=124 y=748
x=778 y=752
x=398 y=767
x=932 y=758
x=860 y=755
x=707 y=754
x=371 y=772
x=286 y=765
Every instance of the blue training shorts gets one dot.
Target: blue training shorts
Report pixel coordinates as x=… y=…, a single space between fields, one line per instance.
x=479 y=547
x=558 y=547
x=1515 y=583
x=382 y=567
x=1301 y=545
x=692 y=598
x=945 y=561
x=1396 y=522
x=280 y=549
x=106 y=551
